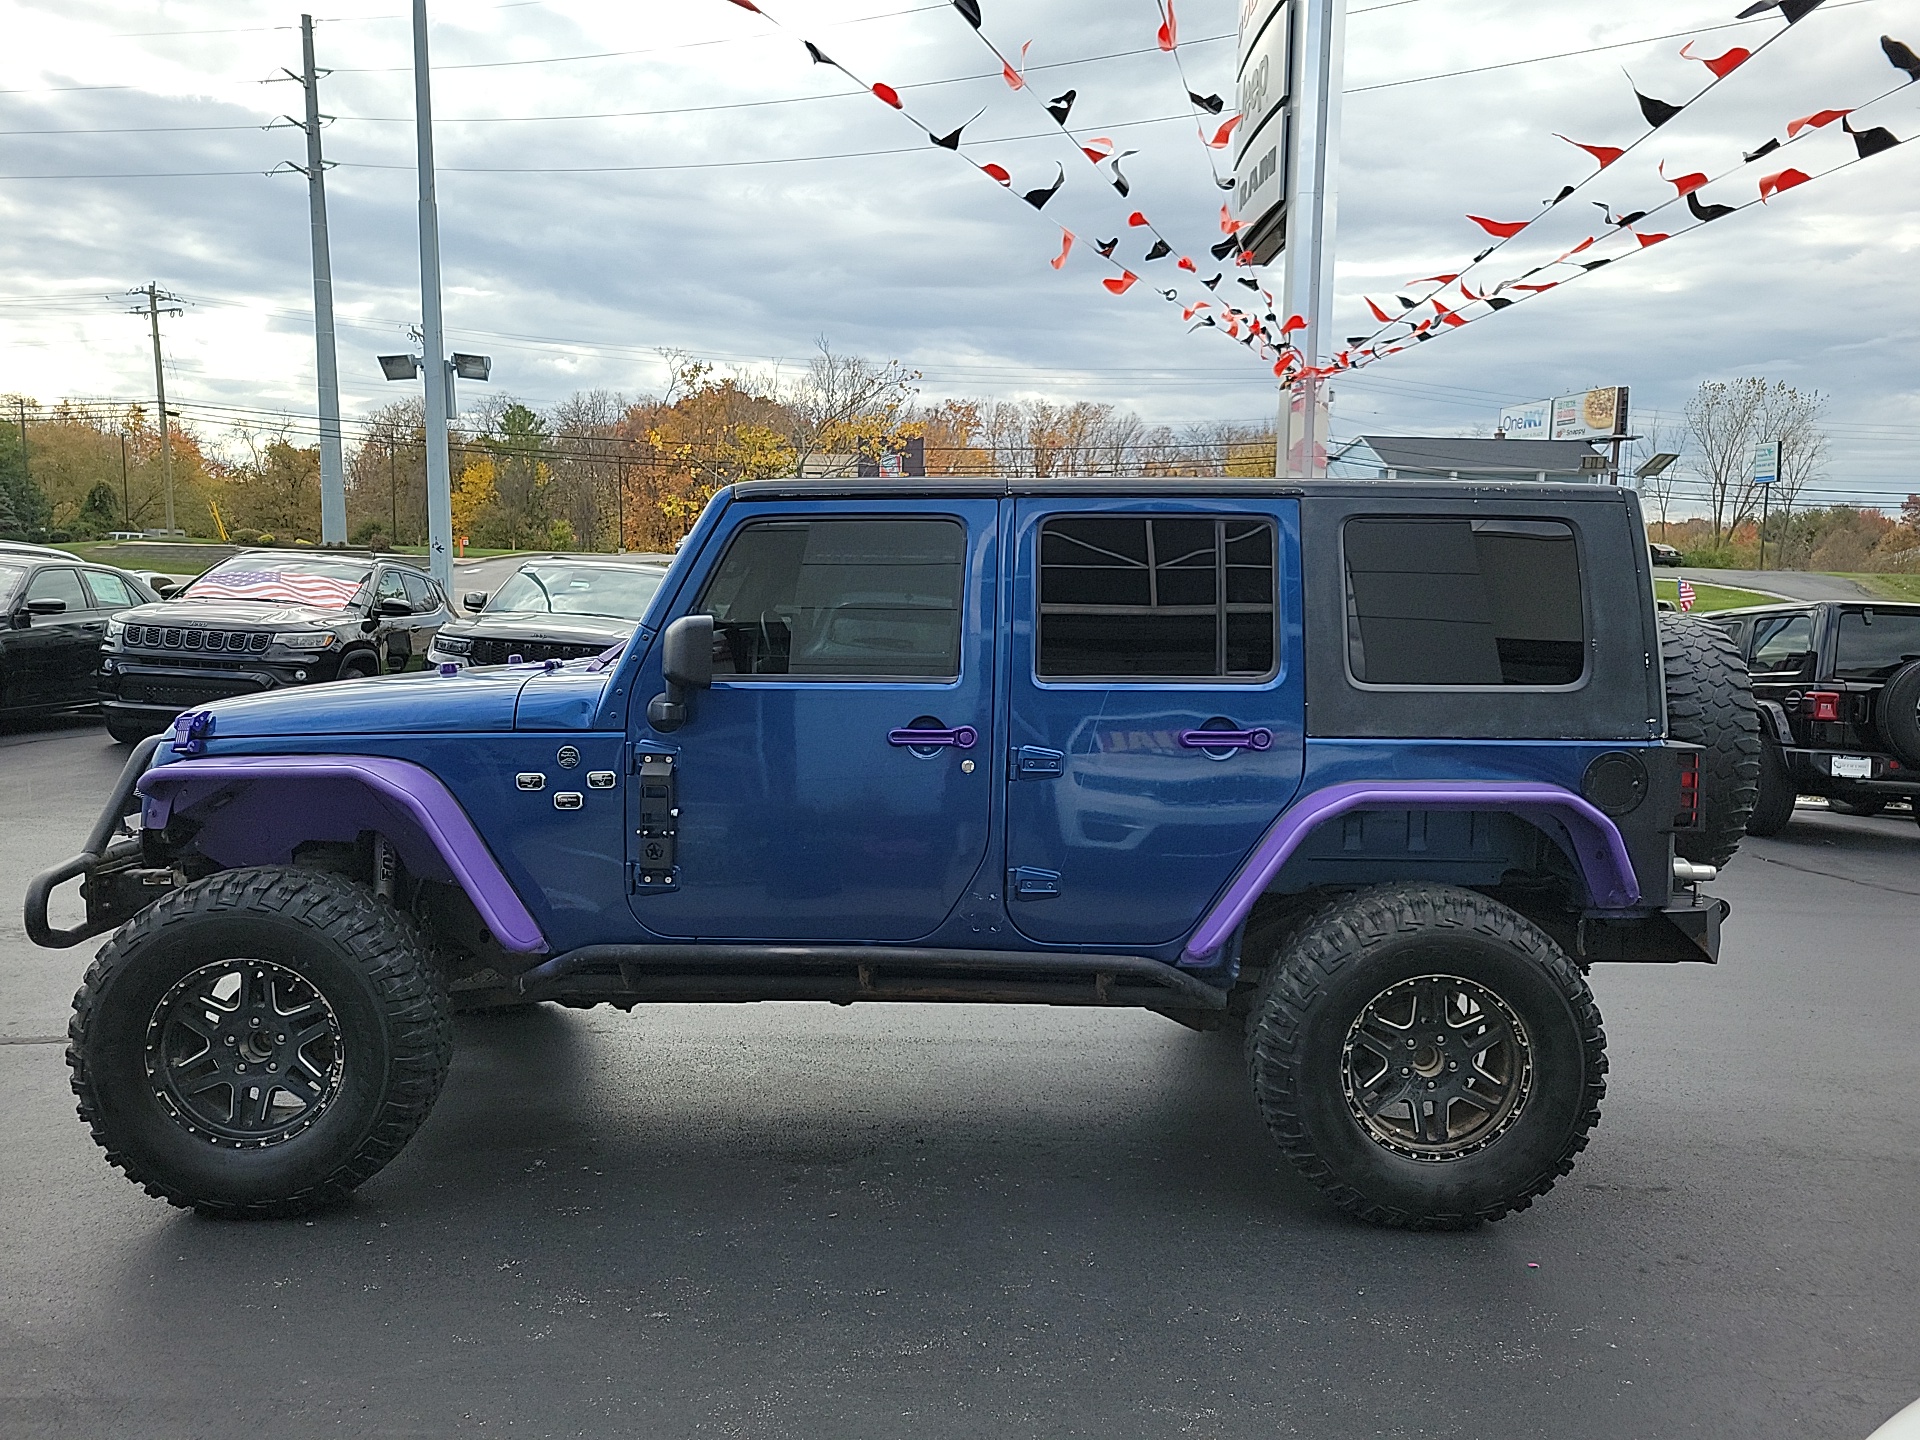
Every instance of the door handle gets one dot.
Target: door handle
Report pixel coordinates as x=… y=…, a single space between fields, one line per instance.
x=963 y=738
x=1260 y=739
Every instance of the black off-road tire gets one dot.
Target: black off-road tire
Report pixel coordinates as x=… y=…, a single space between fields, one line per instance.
x=367 y=963
x=1354 y=953
x=1773 y=807
x=1899 y=709
x=1710 y=703
x=359 y=667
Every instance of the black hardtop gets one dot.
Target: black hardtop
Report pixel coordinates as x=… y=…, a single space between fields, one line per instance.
x=1864 y=602
x=1181 y=487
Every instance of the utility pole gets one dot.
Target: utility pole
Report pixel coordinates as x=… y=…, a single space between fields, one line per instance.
x=1304 y=440
x=439 y=382
x=333 y=481
x=155 y=295
x=393 y=500
x=126 y=503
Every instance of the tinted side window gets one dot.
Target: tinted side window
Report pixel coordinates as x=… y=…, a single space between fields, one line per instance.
x=852 y=598
x=1451 y=601
x=59 y=585
x=421 y=593
x=1873 y=644
x=1782 y=642
x=110 y=592
x=1138 y=597
x=392 y=587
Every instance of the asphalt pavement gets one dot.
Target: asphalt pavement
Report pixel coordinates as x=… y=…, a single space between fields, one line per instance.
x=800 y=1221
x=1789 y=584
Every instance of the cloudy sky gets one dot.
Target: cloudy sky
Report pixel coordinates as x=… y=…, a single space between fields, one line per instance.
x=623 y=176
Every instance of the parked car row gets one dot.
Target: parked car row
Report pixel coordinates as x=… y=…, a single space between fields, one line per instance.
x=80 y=634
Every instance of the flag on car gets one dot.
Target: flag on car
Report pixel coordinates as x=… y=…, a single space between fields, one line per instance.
x=1687 y=597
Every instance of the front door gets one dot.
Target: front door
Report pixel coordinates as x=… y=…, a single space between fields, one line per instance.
x=834 y=783
x=64 y=649
x=1141 y=630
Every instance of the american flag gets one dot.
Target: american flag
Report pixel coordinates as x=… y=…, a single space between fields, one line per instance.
x=329 y=591
x=1687 y=597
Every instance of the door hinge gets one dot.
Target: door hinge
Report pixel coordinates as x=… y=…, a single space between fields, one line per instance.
x=657 y=838
x=1035 y=762
x=1024 y=882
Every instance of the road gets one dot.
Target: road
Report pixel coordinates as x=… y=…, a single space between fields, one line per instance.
x=1793 y=584
x=798 y=1221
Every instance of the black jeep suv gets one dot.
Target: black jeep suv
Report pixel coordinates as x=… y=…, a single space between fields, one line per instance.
x=262 y=620
x=1838 y=683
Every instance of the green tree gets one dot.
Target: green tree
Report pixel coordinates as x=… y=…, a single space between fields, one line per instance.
x=24 y=512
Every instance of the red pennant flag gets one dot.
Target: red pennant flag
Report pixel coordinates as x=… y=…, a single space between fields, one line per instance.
x=1225 y=133
x=1501 y=229
x=1229 y=225
x=1169 y=30
x=1583 y=245
x=1011 y=75
x=1294 y=322
x=1137 y=220
x=888 y=94
x=1646 y=240
x=1685 y=184
x=1815 y=121
x=1721 y=66
x=1097 y=148
x=1125 y=283
x=1538 y=289
x=1066 y=249
x=1605 y=154
x=1435 y=280
x=995 y=172
x=1186 y=264
x=1771 y=185
x=749 y=5
x=1378 y=313
x=1447 y=317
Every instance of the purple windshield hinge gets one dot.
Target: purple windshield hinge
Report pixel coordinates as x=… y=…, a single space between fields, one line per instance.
x=190 y=732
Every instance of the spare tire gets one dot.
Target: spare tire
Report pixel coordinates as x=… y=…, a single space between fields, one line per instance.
x=1900 y=714
x=1710 y=704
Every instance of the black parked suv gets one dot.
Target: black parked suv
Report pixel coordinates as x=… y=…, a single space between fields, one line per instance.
x=262 y=620
x=1838 y=685
x=53 y=612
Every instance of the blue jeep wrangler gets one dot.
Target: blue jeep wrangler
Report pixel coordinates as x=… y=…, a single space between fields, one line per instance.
x=1371 y=773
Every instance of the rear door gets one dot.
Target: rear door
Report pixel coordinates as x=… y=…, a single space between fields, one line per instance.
x=1140 y=630
x=806 y=809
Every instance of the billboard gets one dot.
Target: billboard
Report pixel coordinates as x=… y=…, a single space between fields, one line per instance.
x=1265 y=94
x=1590 y=415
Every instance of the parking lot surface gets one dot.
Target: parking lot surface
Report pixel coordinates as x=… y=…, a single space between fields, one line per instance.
x=787 y=1220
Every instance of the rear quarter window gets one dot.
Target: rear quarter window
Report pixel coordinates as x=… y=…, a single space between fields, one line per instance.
x=1874 y=643
x=1452 y=601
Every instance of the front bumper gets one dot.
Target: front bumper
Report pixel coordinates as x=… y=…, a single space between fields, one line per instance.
x=160 y=691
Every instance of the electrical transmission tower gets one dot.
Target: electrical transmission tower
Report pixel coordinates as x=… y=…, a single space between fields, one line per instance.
x=160 y=302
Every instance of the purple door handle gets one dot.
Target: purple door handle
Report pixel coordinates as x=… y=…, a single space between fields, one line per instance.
x=1261 y=739
x=963 y=738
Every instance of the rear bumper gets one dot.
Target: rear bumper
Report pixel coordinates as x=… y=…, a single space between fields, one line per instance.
x=1688 y=930
x=1812 y=772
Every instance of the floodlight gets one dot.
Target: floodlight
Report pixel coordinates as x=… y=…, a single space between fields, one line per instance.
x=400 y=367
x=472 y=367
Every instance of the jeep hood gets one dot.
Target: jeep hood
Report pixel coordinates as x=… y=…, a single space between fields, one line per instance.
x=236 y=614
x=523 y=697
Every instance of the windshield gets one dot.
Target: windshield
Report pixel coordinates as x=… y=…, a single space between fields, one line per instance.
x=10 y=578
x=1875 y=643
x=618 y=593
x=282 y=580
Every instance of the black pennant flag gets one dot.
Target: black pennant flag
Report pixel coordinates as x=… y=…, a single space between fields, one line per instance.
x=1038 y=198
x=1107 y=247
x=1484 y=253
x=969 y=11
x=1214 y=283
x=1565 y=191
x=1161 y=249
x=1901 y=55
x=1213 y=104
x=1225 y=248
x=1766 y=149
x=1120 y=181
x=1704 y=212
x=1062 y=106
x=1405 y=303
x=1498 y=302
x=1658 y=112
x=1794 y=10
x=1250 y=284
x=820 y=57
x=1871 y=142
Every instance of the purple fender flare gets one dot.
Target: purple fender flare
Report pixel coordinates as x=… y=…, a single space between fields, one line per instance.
x=433 y=832
x=1598 y=848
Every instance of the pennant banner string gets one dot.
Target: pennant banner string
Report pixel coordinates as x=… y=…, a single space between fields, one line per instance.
x=1204 y=106
x=1606 y=156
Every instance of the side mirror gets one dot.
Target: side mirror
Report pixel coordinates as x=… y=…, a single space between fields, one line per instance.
x=475 y=599
x=686 y=662
x=393 y=607
x=46 y=607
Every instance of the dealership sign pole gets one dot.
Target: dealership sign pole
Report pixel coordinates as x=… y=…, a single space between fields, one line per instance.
x=1292 y=63
x=433 y=327
x=1766 y=474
